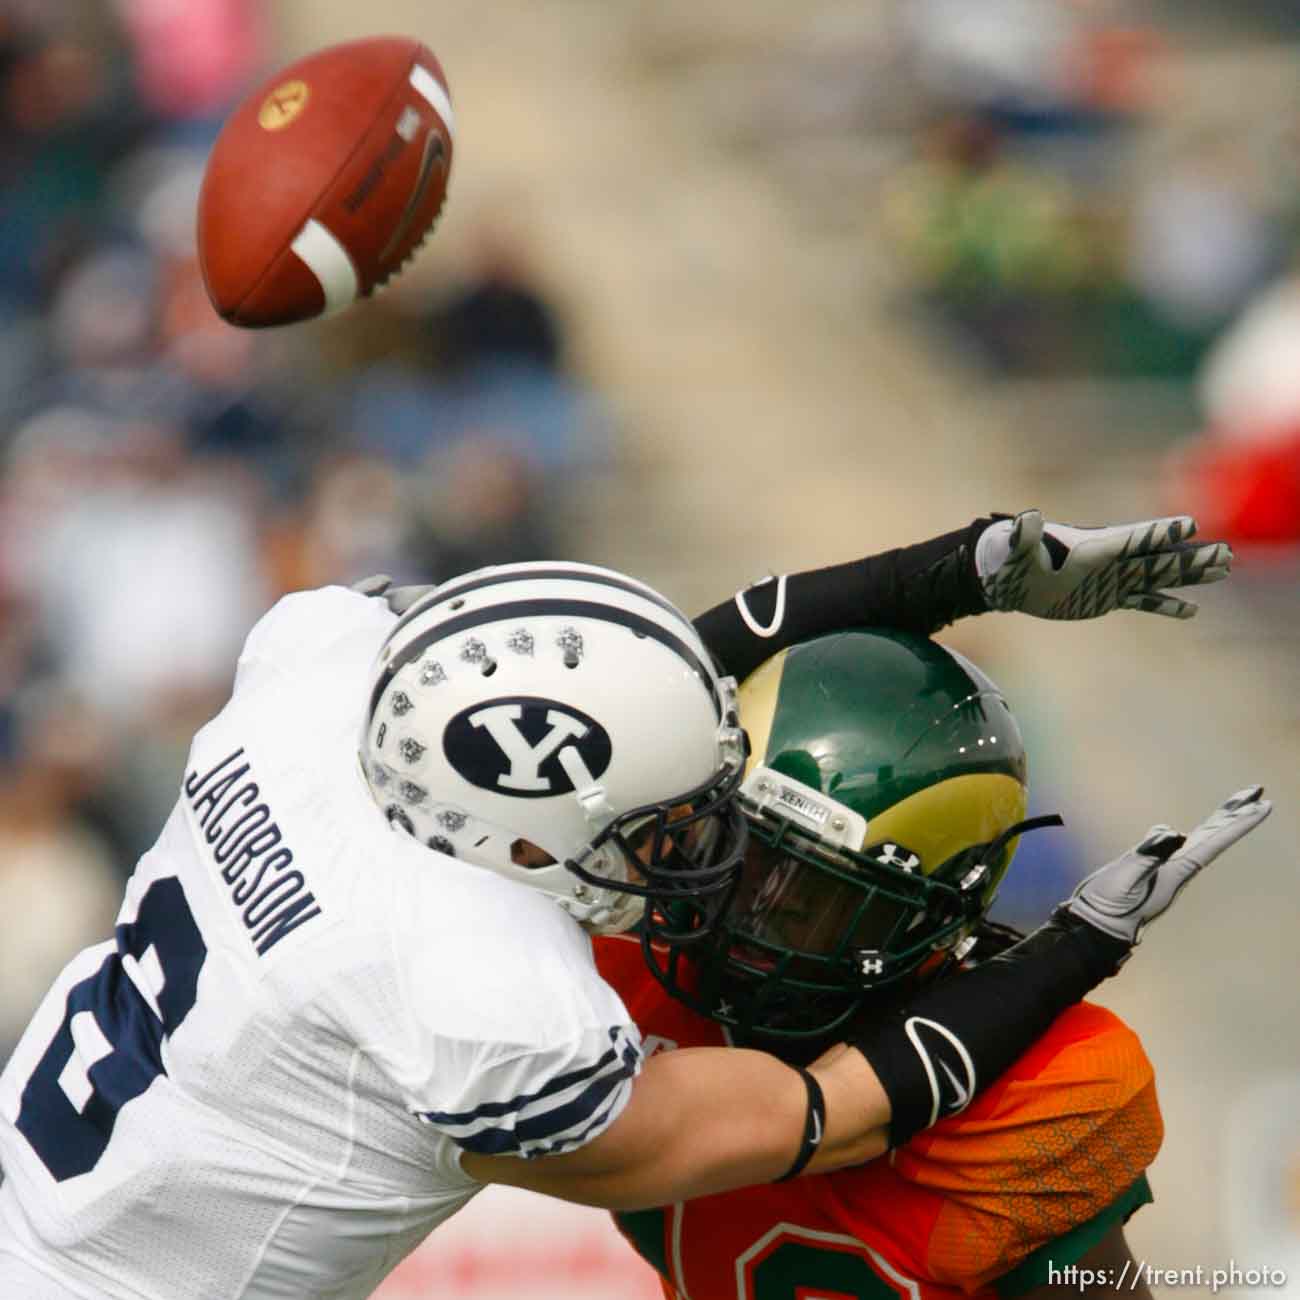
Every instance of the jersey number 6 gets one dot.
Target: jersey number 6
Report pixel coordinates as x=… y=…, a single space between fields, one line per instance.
x=108 y=1049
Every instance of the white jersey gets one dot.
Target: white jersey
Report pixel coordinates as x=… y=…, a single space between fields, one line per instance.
x=262 y=1085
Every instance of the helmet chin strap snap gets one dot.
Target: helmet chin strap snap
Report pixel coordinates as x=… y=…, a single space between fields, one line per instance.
x=591 y=796
x=975 y=878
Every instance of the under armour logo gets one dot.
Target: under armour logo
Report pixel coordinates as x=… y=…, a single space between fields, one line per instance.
x=870 y=962
x=894 y=855
x=526 y=746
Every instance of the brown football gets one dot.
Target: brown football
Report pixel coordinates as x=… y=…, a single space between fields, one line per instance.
x=324 y=181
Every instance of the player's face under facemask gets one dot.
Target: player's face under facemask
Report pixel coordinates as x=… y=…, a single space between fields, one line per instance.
x=784 y=903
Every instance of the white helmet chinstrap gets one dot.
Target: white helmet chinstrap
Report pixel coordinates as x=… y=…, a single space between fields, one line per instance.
x=563 y=725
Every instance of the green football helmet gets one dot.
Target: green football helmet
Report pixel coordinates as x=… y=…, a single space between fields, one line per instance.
x=885 y=793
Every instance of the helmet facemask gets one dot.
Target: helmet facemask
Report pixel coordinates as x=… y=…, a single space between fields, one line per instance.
x=884 y=804
x=683 y=859
x=812 y=936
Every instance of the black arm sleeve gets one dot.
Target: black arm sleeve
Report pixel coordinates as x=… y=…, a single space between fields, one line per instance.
x=948 y=1041
x=917 y=589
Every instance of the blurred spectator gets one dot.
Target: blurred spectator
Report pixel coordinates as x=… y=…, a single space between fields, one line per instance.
x=194 y=59
x=151 y=576
x=351 y=524
x=68 y=112
x=1009 y=51
x=1036 y=65
x=1040 y=221
x=104 y=338
x=1197 y=246
x=59 y=888
x=141 y=573
x=499 y=314
x=481 y=504
x=978 y=223
x=989 y=239
x=492 y=355
x=1242 y=476
x=1250 y=385
x=230 y=389
x=498 y=345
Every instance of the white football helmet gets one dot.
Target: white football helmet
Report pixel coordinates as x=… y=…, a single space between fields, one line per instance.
x=563 y=725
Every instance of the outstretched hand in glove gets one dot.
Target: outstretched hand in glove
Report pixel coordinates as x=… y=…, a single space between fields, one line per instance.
x=1062 y=572
x=1122 y=898
x=1089 y=938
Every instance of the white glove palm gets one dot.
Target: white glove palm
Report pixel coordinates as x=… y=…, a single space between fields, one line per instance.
x=1123 y=897
x=1062 y=572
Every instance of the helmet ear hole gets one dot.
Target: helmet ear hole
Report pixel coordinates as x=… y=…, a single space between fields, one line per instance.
x=524 y=853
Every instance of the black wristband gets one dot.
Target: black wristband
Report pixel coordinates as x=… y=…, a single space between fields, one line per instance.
x=814 y=1126
x=932 y=1054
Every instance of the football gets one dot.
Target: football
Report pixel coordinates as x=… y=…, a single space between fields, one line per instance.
x=324 y=181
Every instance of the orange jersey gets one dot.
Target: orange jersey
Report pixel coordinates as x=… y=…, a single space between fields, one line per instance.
x=1035 y=1170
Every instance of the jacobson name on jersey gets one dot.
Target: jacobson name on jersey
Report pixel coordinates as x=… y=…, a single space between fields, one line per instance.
x=248 y=850
x=261 y=1085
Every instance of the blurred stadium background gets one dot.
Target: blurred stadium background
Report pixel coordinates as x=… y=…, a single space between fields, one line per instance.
x=720 y=289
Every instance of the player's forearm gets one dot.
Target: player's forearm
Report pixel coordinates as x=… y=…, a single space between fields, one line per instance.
x=919 y=588
x=933 y=1054
x=707 y=1120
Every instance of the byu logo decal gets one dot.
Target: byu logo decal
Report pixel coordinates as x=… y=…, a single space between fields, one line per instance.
x=525 y=746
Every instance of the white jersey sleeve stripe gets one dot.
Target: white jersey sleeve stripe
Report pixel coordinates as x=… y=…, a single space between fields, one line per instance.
x=565 y=1127
x=552 y=1118
x=612 y=1108
x=561 y=1082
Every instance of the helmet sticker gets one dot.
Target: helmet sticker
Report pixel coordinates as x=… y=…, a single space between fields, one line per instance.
x=432 y=673
x=521 y=641
x=893 y=855
x=395 y=814
x=570 y=643
x=512 y=746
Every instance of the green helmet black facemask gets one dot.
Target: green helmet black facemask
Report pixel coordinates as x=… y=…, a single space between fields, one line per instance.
x=885 y=793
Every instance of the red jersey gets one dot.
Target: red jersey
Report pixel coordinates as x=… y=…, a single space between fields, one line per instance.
x=1034 y=1171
